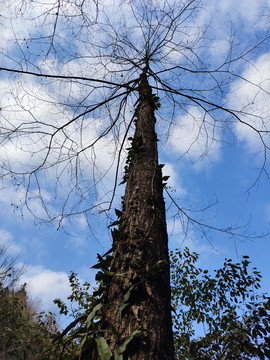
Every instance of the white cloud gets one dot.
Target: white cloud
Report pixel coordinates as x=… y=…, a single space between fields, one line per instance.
x=20 y=20
x=178 y=238
x=195 y=134
x=13 y=198
x=46 y=285
x=191 y=134
x=220 y=48
x=251 y=96
x=5 y=236
x=239 y=11
x=29 y=117
x=175 y=180
x=6 y=240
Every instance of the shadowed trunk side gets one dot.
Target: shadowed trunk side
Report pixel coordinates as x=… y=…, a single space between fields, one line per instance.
x=141 y=250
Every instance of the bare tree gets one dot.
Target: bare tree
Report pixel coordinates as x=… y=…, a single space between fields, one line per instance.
x=10 y=270
x=70 y=96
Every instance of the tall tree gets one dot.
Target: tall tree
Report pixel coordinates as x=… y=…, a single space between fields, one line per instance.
x=140 y=249
x=98 y=63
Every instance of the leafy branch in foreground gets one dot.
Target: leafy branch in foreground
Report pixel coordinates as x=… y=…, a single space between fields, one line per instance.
x=234 y=320
x=218 y=316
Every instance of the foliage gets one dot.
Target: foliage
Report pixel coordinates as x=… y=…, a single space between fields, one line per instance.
x=85 y=309
x=24 y=333
x=218 y=316
x=10 y=271
x=235 y=320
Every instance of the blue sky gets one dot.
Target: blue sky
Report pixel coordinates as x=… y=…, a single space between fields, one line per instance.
x=227 y=175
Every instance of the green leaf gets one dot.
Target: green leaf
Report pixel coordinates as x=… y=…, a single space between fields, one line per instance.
x=118 y=356
x=115 y=223
x=118 y=213
x=114 y=330
x=122 y=307
x=123 y=347
x=103 y=349
x=111 y=249
x=120 y=276
x=115 y=235
x=83 y=341
x=157 y=264
x=93 y=314
x=99 y=276
x=127 y=295
x=124 y=303
x=103 y=262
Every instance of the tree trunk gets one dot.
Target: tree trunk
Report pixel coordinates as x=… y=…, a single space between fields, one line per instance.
x=141 y=251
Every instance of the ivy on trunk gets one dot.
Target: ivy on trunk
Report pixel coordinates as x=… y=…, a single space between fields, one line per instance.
x=136 y=315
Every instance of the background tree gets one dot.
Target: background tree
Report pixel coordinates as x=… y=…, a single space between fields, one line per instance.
x=10 y=271
x=25 y=332
x=124 y=59
x=233 y=319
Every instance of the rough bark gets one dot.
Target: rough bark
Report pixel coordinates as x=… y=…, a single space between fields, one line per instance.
x=141 y=250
